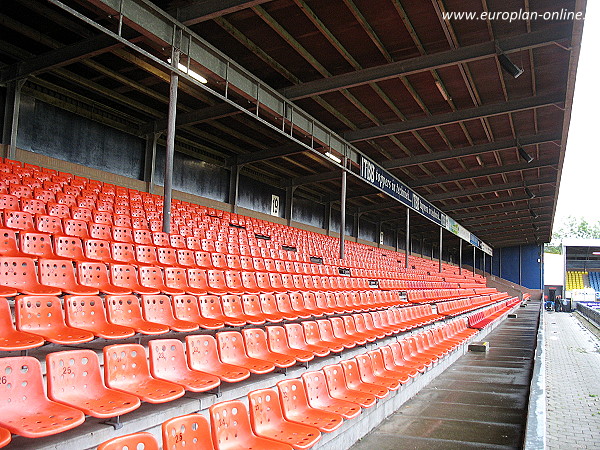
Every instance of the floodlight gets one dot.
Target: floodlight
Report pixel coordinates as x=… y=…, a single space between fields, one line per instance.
x=523 y=154
x=511 y=68
x=529 y=193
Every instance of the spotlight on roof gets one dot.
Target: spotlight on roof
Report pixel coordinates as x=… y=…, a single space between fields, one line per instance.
x=529 y=193
x=511 y=68
x=523 y=154
x=533 y=214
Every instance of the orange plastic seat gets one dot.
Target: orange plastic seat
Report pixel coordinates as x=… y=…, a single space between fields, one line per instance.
x=126 y=370
x=185 y=432
x=210 y=307
x=355 y=382
x=95 y=274
x=203 y=259
x=336 y=383
x=176 y=278
x=37 y=245
x=152 y=277
x=297 y=340
x=294 y=402
x=267 y=419
x=313 y=337
x=74 y=379
x=48 y=224
x=123 y=252
x=5 y=437
x=402 y=357
x=125 y=276
x=299 y=307
x=277 y=340
x=390 y=363
x=252 y=307
x=8 y=243
x=231 y=429
x=382 y=377
x=18 y=220
x=20 y=273
x=43 y=315
x=233 y=309
x=60 y=273
x=70 y=247
x=328 y=335
x=202 y=355
x=10 y=338
x=33 y=206
x=24 y=407
x=87 y=313
x=6 y=291
x=58 y=210
x=125 y=310
x=98 y=250
x=217 y=284
x=319 y=397
x=102 y=231
x=157 y=308
x=167 y=256
x=255 y=341
x=134 y=441
x=186 y=258
x=185 y=307
x=9 y=202
x=268 y=304
x=232 y=351
x=168 y=362
x=122 y=234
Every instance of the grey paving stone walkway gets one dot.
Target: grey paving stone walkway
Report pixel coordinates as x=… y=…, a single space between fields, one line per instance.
x=572 y=384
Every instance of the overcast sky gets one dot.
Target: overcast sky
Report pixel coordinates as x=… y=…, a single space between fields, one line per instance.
x=580 y=184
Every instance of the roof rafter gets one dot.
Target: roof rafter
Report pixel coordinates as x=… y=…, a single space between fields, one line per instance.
x=427 y=62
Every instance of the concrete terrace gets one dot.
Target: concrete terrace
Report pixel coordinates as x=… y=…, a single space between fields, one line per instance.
x=480 y=402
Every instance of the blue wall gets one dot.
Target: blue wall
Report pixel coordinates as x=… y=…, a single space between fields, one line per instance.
x=505 y=264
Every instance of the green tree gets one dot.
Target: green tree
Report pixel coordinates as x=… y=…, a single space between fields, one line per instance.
x=573 y=227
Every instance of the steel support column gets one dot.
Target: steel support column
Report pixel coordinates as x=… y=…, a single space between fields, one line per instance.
x=289 y=204
x=440 y=255
x=328 y=218
x=11 y=118
x=460 y=245
x=520 y=267
x=170 y=151
x=397 y=236
x=407 y=249
x=234 y=187
x=343 y=214
x=474 y=260
x=150 y=161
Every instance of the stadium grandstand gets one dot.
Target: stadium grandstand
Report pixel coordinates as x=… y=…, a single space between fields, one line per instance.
x=235 y=224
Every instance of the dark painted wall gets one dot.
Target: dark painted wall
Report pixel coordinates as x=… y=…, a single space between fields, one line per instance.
x=309 y=212
x=60 y=134
x=505 y=264
x=256 y=196
x=194 y=176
